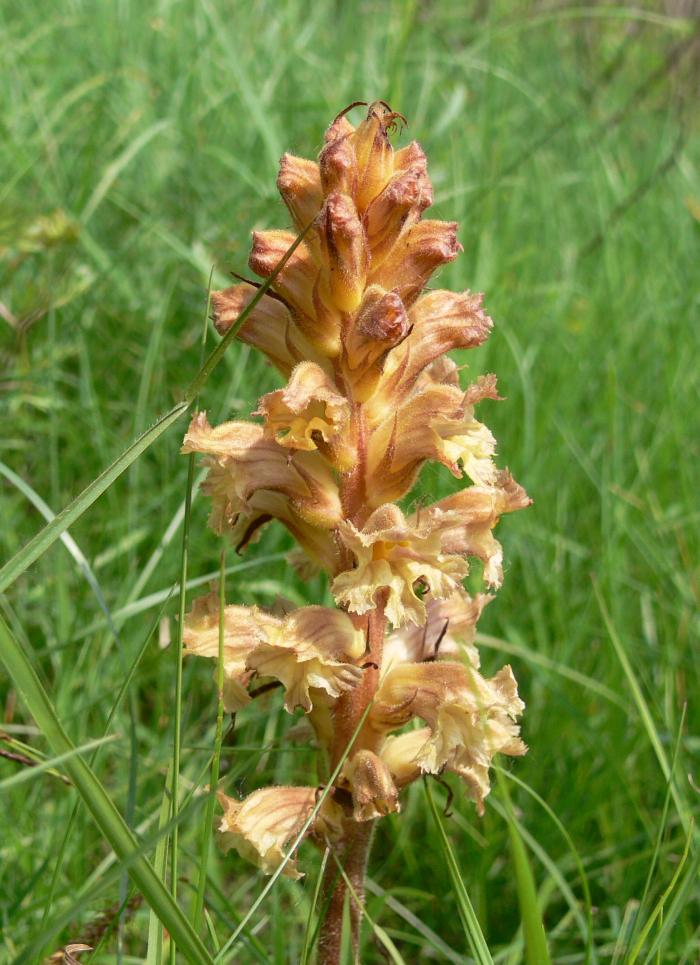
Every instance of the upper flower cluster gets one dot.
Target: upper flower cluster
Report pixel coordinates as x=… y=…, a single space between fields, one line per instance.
x=370 y=396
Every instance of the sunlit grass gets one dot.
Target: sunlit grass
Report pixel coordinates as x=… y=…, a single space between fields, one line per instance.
x=564 y=140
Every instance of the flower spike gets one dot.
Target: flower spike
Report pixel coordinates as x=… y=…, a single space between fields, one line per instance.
x=369 y=397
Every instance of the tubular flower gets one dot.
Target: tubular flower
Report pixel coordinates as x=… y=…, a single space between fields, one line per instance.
x=310 y=648
x=262 y=824
x=369 y=396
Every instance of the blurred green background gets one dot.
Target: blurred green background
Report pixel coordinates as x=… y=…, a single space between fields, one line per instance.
x=139 y=147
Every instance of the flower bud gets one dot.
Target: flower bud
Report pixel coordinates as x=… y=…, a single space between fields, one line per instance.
x=380 y=324
x=345 y=252
x=374 y=793
x=375 y=155
x=299 y=183
x=338 y=167
x=400 y=204
x=269 y=327
x=418 y=252
x=296 y=280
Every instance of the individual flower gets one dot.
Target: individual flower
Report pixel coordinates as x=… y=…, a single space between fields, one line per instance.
x=309 y=650
x=252 y=462
x=269 y=327
x=263 y=824
x=449 y=631
x=466 y=520
x=470 y=719
x=435 y=421
x=244 y=629
x=395 y=554
x=312 y=649
x=310 y=413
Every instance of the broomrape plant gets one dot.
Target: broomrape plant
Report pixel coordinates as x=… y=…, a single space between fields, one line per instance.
x=370 y=396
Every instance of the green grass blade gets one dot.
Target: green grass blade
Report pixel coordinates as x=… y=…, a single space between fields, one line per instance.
x=661 y=903
x=154 y=952
x=643 y=708
x=574 y=851
x=97 y=801
x=46 y=537
x=29 y=772
x=536 y=950
x=470 y=923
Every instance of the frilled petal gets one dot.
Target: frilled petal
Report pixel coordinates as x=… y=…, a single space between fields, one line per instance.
x=311 y=650
x=252 y=463
x=245 y=628
x=467 y=518
x=470 y=718
x=449 y=631
x=262 y=825
x=436 y=421
x=308 y=414
x=395 y=554
x=369 y=780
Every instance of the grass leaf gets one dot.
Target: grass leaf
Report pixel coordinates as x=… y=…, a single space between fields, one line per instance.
x=470 y=923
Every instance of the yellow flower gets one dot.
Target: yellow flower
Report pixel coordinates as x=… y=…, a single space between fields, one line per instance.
x=310 y=650
x=440 y=321
x=251 y=462
x=308 y=414
x=263 y=824
x=467 y=518
x=470 y=719
x=244 y=629
x=449 y=631
x=394 y=553
x=435 y=421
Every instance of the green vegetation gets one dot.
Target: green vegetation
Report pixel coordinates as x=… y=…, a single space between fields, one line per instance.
x=139 y=147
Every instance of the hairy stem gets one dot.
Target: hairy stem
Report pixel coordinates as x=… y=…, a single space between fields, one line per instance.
x=353 y=858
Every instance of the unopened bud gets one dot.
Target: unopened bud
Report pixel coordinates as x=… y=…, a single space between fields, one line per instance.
x=338 y=167
x=418 y=253
x=299 y=184
x=344 y=248
x=374 y=793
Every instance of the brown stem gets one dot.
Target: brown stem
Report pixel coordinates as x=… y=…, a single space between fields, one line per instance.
x=354 y=861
